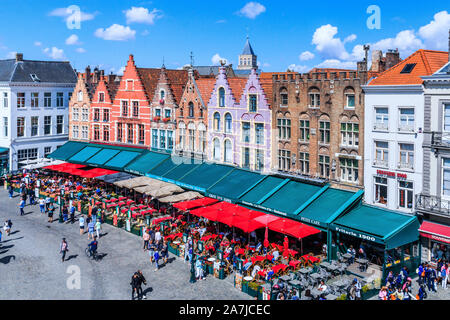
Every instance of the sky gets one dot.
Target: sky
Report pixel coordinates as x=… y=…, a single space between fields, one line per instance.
x=298 y=35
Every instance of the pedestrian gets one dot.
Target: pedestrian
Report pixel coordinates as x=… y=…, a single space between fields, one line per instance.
x=10 y=191
x=72 y=214
x=141 y=281
x=157 y=256
x=1 y=236
x=7 y=227
x=64 y=248
x=82 y=221
x=98 y=228
x=31 y=193
x=48 y=200
x=382 y=295
x=65 y=212
x=21 y=206
x=134 y=285
x=199 y=268
x=352 y=252
x=165 y=252
x=358 y=288
x=91 y=227
x=146 y=238
x=432 y=280
x=157 y=236
x=444 y=276
x=151 y=250
x=42 y=205
x=51 y=210
x=422 y=294
x=188 y=250
x=351 y=291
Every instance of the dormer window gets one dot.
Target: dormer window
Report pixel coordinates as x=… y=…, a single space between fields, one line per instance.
x=80 y=95
x=130 y=85
x=253 y=102
x=221 y=97
x=101 y=97
x=34 y=77
x=162 y=94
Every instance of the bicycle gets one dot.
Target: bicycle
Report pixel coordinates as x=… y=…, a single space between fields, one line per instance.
x=92 y=255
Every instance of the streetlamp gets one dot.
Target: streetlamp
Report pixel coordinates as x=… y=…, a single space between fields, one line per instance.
x=192 y=279
x=61 y=204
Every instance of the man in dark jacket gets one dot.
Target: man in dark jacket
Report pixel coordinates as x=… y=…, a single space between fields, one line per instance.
x=141 y=281
x=135 y=283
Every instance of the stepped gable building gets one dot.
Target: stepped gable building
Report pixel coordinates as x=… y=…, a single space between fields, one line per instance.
x=166 y=99
x=192 y=116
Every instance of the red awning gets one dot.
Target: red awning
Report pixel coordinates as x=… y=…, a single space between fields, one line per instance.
x=249 y=225
x=293 y=228
x=65 y=167
x=159 y=220
x=266 y=219
x=97 y=172
x=435 y=231
x=198 y=203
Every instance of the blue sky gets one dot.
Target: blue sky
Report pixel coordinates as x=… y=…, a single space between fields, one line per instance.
x=296 y=34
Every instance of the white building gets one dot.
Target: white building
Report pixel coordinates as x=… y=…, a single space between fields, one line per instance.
x=33 y=108
x=394 y=124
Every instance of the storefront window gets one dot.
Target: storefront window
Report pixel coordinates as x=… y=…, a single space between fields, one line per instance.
x=405 y=194
x=381 y=194
x=439 y=251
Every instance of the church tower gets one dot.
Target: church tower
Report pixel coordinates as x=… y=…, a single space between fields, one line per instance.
x=247 y=60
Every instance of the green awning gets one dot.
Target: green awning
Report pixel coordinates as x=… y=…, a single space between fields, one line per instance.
x=322 y=209
x=2 y=150
x=146 y=162
x=67 y=150
x=233 y=185
x=102 y=157
x=122 y=159
x=84 y=154
x=290 y=197
x=205 y=175
x=183 y=169
x=391 y=228
x=261 y=189
x=165 y=167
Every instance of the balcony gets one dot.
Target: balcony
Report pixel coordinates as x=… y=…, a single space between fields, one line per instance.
x=440 y=139
x=406 y=128
x=433 y=205
x=405 y=166
x=381 y=163
x=381 y=126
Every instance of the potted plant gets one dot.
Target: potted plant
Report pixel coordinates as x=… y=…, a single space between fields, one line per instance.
x=253 y=288
x=161 y=101
x=166 y=120
x=156 y=119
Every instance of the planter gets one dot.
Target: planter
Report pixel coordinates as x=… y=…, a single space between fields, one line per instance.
x=120 y=223
x=254 y=289
x=173 y=250
x=136 y=231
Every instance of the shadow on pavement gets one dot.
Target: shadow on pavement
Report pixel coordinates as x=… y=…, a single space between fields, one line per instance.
x=17 y=231
x=12 y=240
x=74 y=256
x=7 y=259
x=7 y=247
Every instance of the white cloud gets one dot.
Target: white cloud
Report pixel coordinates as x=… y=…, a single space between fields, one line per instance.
x=435 y=34
x=221 y=21
x=307 y=55
x=216 y=59
x=252 y=9
x=141 y=15
x=67 y=14
x=55 y=53
x=327 y=45
x=72 y=40
x=38 y=43
x=145 y=33
x=80 y=50
x=350 y=38
x=406 y=41
x=116 y=32
x=299 y=68
x=337 y=64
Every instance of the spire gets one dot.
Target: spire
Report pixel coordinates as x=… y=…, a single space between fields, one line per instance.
x=248 y=50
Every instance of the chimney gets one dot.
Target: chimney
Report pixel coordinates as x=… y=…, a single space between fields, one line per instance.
x=377 y=56
x=19 y=57
x=392 y=58
x=88 y=74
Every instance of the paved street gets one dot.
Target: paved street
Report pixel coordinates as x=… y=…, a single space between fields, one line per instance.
x=31 y=267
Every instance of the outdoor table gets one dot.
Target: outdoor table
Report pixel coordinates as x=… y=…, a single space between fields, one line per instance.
x=331 y=297
x=134 y=208
x=129 y=202
x=121 y=203
x=113 y=199
x=363 y=264
x=285 y=278
x=316 y=292
x=347 y=256
x=122 y=198
x=332 y=268
x=294 y=263
x=176 y=242
x=212 y=259
x=294 y=282
x=248 y=278
x=111 y=205
x=142 y=206
x=305 y=270
x=325 y=264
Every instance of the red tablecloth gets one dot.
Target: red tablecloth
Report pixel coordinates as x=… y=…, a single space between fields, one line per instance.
x=111 y=205
x=121 y=203
x=113 y=199
x=129 y=202
x=240 y=251
x=278 y=267
x=258 y=258
x=122 y=198
x=294 y=263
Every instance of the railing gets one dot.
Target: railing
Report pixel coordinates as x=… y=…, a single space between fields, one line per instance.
x=381 y=163
x=381 y=126
x=432 y=204
x=405 y=165
x=440 y=139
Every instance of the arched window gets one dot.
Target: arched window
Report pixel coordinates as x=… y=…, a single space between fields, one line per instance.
x=228 y=156
x=216 y=150
x=191 y=110
x=314 y=97
x=349 y=97
x=221 y=97
x=80 y=95
x=284 y=97
x=162 y=94
x=228 y=123
x=217 y=121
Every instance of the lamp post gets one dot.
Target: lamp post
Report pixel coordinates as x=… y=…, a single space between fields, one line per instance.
x=192 y=279
x=61 y=204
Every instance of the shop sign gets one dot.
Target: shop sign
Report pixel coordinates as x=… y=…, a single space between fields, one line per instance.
x=393 y=175
x=357 y=234
x=310 y=221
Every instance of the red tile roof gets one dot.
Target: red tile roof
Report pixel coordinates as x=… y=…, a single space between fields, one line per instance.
x=427 y=62
x=237 y=86
x=267 y=85
x=177 y=82
x=149 y=78
x=206 y=87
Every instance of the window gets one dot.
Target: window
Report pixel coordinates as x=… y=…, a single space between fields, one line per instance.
x=101 y=97
x=119 y=132
x=47 y=151
x=191 y=110
x=259 y=133
x=221 y=97
x=405 y=194
x=349 y=170
x=162 y=139
x=447 y=118
x=181 y=137
x=284 y=160
x=59 y=99
x=106 y=133
x=228 y=156
x=324 y=131
x=20 y=126
x=406 y=156
x=158 y=113
x=350 y=100
x=202 y=141
x=303 y=159
x=75 y=132
x=228 y=123
x=124 y=108
x=350 y=134
x=253 y=102
x=246 y=132
x=5 y=99
x=5 y=126
x=167 y=113
x=446 y=177
x=217 y=121
x=47 y=99
x=85 y=132
x=381 y=119
x=21 y=100
x=34 y=99
x=406 y=120
x=47 y=125
x=75 y=114
x=85 y=114
x=34 y=126
x=259 y=157
x=181 y=112
x=408 y=68
x=135 y=109
x=381 y=153
x=155 y=138
x=162 y=94
x=27 y=154
x=284 y=97
x=105 y=115
x=304 y=130
x=96 y=114
x=284 y=129
x=130 y=136
x=169 y=140
x=141 y=134
x=201 y=113
x=191 y=134
x=314 y=98
x=246 y=158
x=381 y=194
x=80 y=96
x=216 y=150
x=96 y=133
x=130 y=85
x=324 y=166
